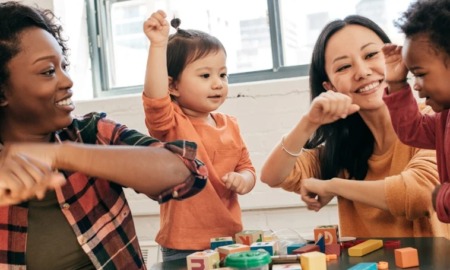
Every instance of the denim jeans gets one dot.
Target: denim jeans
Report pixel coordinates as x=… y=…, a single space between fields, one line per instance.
x=169 y=254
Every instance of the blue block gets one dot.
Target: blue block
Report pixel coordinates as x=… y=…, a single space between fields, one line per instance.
x=321 y=243
x=364 y=266
x=267 y=246
x=220 y=241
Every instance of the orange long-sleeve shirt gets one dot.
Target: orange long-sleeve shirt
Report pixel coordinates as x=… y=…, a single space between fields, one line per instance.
x=215 y=211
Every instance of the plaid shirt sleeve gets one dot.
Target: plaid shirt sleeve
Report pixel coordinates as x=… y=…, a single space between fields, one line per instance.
x=108 y=132
x=195 y=182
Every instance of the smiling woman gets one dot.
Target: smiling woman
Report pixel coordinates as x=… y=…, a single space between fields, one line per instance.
x=349 y=142
x=61 y=176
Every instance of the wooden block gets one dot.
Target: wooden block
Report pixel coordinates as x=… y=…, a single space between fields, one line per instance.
x=321 y=243
x=270 y=247
x=406 y=257
x=365 y=247
x=221 y=241
x=334 y=249
x=365 y=266
x=248 y=237
x=314 y=260
x=293 y=247
x=306 y=248
x=203 y=260
x=329 y=232
x=287 y=266
x=331 y=257
x=233 y=248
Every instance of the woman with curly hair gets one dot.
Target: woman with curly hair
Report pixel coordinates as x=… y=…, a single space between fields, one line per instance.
x=62 y=178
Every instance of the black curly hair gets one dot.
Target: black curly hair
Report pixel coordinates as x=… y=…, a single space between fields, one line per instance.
x=430 y=17
x=16 y=18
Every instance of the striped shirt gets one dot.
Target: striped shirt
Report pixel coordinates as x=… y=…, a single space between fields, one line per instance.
x=96 y=209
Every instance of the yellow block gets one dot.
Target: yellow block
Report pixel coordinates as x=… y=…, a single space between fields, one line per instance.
x=313 y=261
x=365 y=247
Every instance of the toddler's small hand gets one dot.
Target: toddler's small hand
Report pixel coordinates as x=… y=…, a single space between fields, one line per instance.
x=235 y=182
x=156 y=28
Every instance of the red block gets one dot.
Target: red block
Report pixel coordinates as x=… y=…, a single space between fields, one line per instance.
x=306 y=248
x=333 y=249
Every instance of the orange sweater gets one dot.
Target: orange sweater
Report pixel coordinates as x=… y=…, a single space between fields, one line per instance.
x=410 y=176
x=215 y=211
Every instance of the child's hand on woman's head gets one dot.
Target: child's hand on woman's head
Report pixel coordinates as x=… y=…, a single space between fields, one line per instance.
x=235 y=181
x=329 y=107
x=395 y=69
x=23 y=178
x=156 y=28
x=314 y=193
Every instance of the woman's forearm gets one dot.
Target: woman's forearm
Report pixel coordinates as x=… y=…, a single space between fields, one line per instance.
x=368 y=192
x=149 y=170
x=280 y=163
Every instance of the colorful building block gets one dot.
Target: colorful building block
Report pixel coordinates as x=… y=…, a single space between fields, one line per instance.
x=334 y=249
x=365 y=247
x=203 y=260
x=293 y=247
x=330 y=232
x=314 y=260
x=270 y=247
x=221 y=241
x=321 y=243
x=248 y=237
x=229 y=249
x=287 y=266
x=406 y=257
x=306 y=248
x=364 y=266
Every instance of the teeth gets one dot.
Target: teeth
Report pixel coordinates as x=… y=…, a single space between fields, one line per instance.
x=368 y=87
x=65 y=102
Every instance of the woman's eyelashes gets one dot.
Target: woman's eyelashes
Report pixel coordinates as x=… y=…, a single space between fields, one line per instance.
x=342 y=68
x=49 y=72
x=366 y=57
x=372 y=54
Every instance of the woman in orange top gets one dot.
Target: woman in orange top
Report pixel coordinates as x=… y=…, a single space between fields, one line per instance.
x=351 y=151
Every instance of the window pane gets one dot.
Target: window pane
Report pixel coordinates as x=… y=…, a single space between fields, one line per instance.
x=244 y=31
x=301 y=24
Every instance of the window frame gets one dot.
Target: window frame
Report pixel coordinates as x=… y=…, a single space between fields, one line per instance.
x=99 y=34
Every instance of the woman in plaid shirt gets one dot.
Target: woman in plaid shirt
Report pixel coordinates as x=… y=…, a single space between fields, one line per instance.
x=62 y=204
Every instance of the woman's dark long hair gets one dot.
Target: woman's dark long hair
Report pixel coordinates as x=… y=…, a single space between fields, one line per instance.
x=347 y=144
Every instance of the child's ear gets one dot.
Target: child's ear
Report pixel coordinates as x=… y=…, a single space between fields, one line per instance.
x=328 y=86
x=173 y=89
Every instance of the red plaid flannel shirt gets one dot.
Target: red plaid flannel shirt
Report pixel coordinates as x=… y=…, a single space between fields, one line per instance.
x=97 y=209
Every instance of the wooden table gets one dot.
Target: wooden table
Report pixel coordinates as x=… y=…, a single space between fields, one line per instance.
x=434 y=254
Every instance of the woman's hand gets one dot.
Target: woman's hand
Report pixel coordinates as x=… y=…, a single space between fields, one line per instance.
x=329 y=107
x=315 y=193
x=23 y=178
